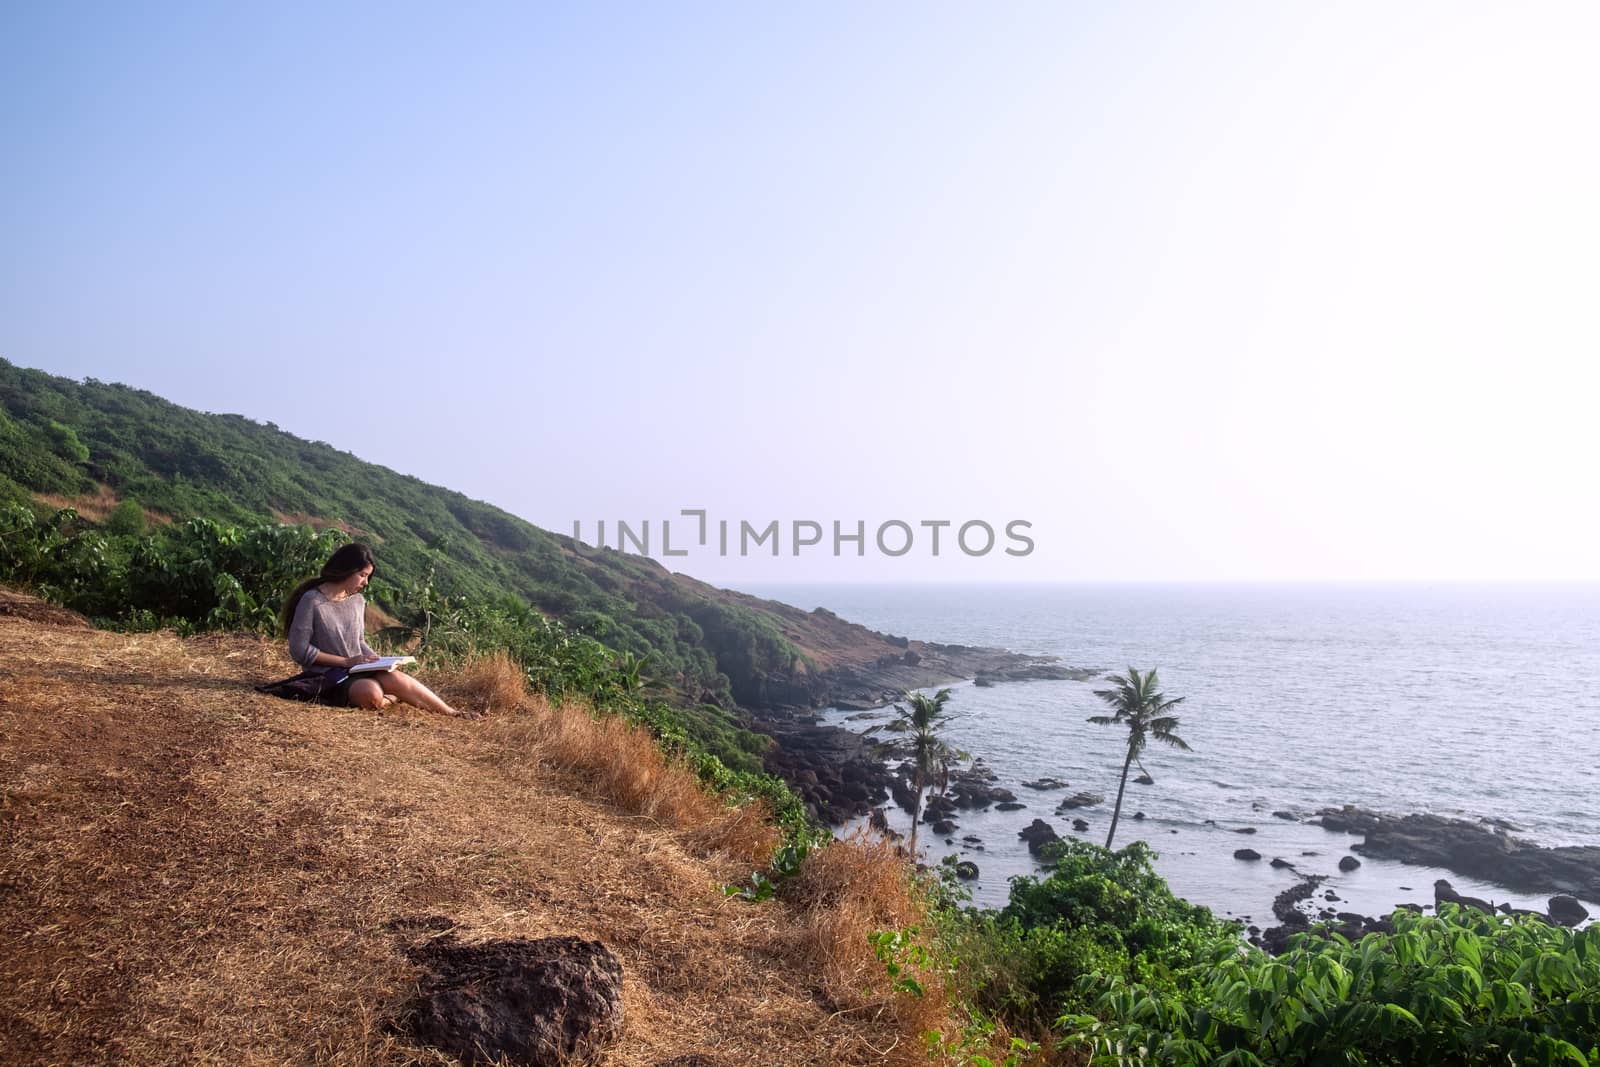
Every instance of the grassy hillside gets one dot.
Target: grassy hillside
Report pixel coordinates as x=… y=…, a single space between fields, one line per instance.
x=194 y=872
x=121 y=454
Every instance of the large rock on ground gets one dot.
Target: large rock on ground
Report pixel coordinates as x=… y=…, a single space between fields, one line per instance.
x=554 y=1000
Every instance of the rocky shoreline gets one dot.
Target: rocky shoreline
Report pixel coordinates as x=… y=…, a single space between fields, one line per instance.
x=1484 y=849
x=842 y=774
x=861 y=686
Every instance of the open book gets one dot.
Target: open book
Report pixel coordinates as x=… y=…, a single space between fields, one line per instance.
x=382 y=663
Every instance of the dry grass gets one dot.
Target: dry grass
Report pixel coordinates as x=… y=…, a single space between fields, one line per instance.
x=192 y=872
x=97 y=506
x=486 y=684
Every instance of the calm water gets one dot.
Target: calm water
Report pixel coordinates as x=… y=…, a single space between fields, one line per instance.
x=1461 y=700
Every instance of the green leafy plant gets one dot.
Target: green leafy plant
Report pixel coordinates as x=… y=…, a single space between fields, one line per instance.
x=1461 y=988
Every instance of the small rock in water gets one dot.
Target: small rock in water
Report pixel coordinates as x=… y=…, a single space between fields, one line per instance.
x=1139 y=815
x=1038 y=834
x=1244 y=830
x=1081 y=825
x=1330 y=895
x=1350 y=863
x=1280 y=863
x=966 y=870
x=1246 y=854
x=1045 y=783
x=1010 y=805
x=1144 y=779
x=1566 y=911
x=1287 y=815
x=1081 y=800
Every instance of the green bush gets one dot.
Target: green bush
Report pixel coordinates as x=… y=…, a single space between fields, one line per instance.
x=1463 y=988
x=1095 y=916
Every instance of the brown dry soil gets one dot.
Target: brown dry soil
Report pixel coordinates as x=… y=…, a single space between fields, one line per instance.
x=191 y=872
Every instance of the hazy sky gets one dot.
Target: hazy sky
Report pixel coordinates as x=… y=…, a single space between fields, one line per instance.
x=1200 y=291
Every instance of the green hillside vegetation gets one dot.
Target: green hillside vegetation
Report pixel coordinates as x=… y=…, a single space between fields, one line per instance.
x=145 y=460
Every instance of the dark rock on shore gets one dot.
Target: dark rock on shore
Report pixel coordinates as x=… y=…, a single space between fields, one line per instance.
x=1286 y=907
x=1031 y=668
x=1038 y=834
x=1348 y=819
x=1080 y=800
x=838 y=773
x=972 y=788
x=1445 y=893
x=1478 y=850
x=1566 y=911
x=873 y=683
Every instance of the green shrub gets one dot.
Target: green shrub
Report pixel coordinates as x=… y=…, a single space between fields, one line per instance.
x=1462 y=988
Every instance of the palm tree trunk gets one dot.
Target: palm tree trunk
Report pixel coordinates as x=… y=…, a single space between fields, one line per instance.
x=916 y=813
x=1116 y=813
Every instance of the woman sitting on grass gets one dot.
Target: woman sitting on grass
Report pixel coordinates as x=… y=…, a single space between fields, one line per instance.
x=325 y=621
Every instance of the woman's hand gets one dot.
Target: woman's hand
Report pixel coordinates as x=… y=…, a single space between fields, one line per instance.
x=358 y=659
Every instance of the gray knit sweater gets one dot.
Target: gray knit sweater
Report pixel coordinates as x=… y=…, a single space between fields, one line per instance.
x=332 y=626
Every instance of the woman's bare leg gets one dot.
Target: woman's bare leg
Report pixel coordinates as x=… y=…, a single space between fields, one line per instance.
x=367 y=693
x=408 y=689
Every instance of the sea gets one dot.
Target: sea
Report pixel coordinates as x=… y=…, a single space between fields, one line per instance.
x=1474 y=701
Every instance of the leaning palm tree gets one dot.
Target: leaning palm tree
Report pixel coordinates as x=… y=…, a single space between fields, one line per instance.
x=930 y=756
x=1146 y=711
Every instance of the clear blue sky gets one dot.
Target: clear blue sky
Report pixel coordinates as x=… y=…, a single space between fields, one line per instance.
x=1214 y=291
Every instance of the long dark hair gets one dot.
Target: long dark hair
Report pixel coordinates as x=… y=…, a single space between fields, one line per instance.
x=346 y=561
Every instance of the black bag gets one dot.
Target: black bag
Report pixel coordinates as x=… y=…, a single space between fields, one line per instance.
x=315 y=687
